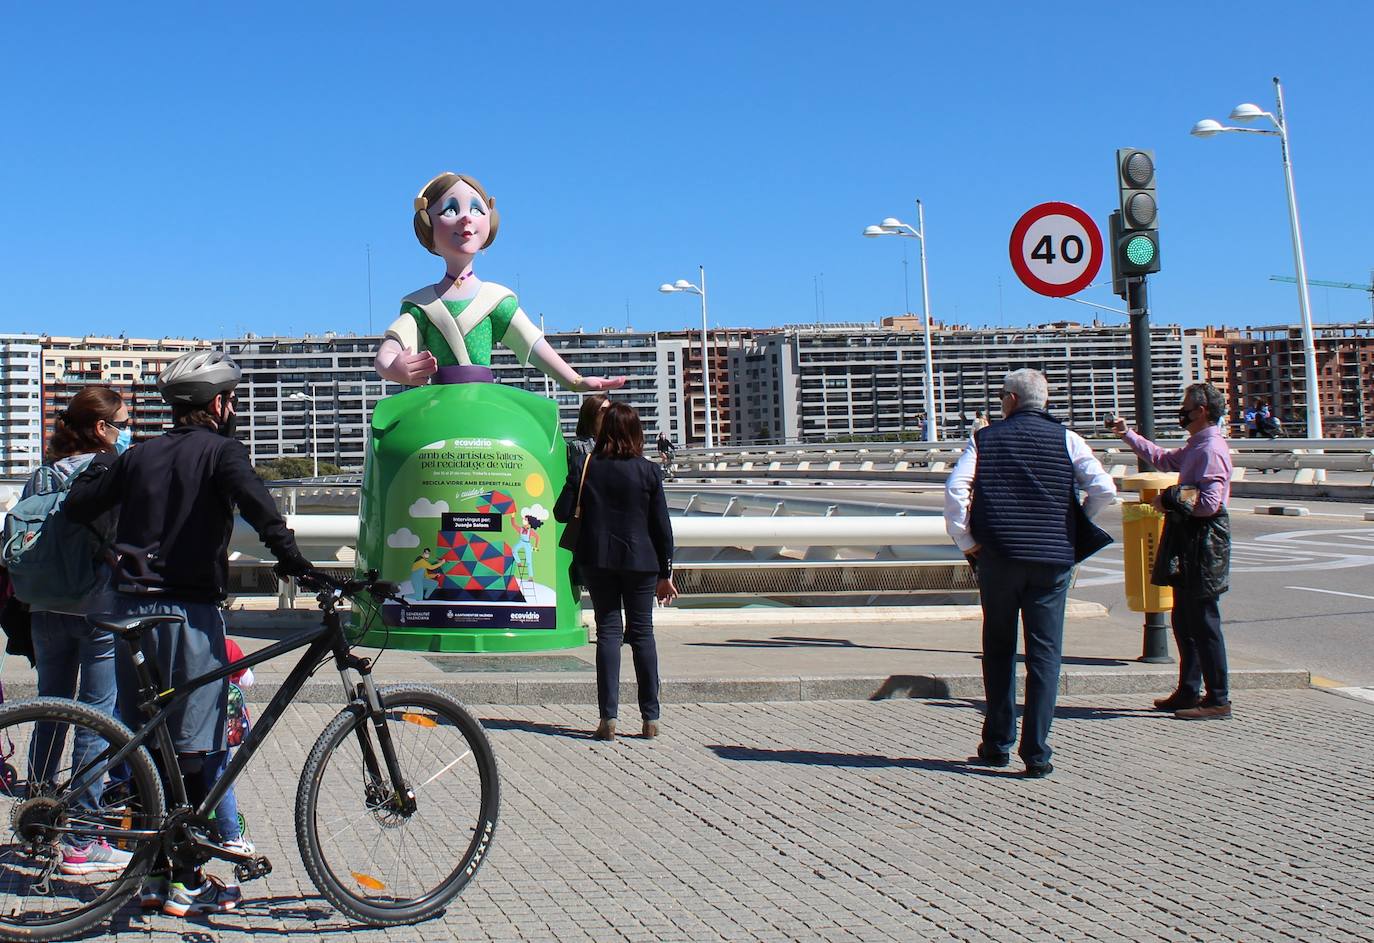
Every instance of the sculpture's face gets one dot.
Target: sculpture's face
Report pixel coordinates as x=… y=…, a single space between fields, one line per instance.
x=462 y=222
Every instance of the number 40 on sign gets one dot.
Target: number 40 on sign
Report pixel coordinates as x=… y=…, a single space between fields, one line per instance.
x=1056 y=249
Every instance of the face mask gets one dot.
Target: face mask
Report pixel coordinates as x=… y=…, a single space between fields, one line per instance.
x=1184 y=420
x=123 y=441
x=227 y=424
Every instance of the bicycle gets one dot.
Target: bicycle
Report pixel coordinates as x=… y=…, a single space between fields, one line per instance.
x=405 y=762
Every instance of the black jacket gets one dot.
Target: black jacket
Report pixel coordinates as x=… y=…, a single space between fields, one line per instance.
x=177 y=495
x=1195 y=552
x=625 y=523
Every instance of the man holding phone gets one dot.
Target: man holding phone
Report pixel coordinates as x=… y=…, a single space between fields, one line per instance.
x=1195 y=552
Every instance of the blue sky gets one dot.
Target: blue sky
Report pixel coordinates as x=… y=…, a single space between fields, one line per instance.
x=207 y=173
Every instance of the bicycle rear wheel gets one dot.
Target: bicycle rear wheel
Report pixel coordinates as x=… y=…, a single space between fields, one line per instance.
x=369 y=858
x=59 y=876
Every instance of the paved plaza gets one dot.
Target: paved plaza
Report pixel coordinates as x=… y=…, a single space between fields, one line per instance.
x=859 y=820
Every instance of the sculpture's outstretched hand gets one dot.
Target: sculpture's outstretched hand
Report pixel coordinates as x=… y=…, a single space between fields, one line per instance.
x=401 y=365
x=598 y=384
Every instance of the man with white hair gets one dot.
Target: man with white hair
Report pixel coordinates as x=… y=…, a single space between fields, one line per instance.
x=1012 y=507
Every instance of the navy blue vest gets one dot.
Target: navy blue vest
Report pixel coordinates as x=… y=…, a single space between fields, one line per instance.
x=1023 y=489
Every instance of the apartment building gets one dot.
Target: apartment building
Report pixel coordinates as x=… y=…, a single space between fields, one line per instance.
x=128 y=365
x=1267 y=364
x=314 y=394
x=836 y=381
x=21 y=409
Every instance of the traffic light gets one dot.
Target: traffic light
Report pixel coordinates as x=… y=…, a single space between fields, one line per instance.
x=1113 y=237
x=1135 y=249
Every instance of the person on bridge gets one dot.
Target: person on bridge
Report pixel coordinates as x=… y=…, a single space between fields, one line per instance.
x=178 y=492
x=1011 y=505
x=624 y=555
x=1195 y=552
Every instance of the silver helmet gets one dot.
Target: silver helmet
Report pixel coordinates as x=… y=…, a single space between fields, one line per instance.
x=196 y=378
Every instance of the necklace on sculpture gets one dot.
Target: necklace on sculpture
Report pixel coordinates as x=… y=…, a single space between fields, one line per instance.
x=459 y=279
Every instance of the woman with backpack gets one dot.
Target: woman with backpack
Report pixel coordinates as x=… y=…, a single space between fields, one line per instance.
x=72 y=657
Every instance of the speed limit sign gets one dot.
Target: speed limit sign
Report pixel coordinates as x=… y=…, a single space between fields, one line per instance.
x=1056 y=249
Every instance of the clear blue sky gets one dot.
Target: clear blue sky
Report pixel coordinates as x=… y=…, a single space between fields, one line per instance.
x=165 y=170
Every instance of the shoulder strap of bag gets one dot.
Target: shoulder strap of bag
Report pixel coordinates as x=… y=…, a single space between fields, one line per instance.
x=577 y=511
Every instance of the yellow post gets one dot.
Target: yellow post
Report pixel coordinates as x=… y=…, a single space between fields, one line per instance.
x=1142 y=528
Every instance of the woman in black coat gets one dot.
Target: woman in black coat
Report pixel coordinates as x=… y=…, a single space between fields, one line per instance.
x=625 y=556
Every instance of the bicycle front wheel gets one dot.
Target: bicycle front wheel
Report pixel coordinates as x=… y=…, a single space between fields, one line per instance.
x=66 y=858
x=369 y=857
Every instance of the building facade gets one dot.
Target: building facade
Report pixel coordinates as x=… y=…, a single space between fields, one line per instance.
x=821 y=382
x=1267 y=365
x=21 y=404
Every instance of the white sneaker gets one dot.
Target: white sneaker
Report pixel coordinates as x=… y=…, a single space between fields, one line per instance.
x=241 y=845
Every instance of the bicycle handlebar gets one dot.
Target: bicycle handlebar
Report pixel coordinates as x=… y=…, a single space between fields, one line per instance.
x=319 y=581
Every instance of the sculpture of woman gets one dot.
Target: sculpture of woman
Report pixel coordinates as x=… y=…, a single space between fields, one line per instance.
x=455 y=322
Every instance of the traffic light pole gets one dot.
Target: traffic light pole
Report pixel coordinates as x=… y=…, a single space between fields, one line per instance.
x=1155 y=647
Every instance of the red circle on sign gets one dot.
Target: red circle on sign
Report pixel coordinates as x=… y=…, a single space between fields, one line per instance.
x=1018 y=262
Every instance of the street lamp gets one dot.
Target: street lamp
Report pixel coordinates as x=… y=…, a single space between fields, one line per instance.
x=1209 y=127
x=895 y=227
x=314 y=438
x=683 y=285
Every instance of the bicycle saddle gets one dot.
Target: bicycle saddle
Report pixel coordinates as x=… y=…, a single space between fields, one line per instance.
x=132 y=625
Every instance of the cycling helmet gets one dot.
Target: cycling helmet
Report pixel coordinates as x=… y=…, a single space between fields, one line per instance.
x=196 y=378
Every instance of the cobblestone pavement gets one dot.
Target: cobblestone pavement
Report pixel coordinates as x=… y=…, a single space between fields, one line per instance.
x=861 y=821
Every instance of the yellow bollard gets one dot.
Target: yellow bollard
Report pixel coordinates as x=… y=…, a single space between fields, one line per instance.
x=1142 y=528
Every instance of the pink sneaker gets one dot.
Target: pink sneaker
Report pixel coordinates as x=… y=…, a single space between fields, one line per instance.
x=96 y=857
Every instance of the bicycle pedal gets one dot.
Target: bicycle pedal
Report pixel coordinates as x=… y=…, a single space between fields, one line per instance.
x=258 y=867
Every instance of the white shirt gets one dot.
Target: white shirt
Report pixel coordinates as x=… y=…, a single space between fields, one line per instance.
x=1091 y=478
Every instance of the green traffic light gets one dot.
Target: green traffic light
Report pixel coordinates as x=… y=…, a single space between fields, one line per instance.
x=1140 y=250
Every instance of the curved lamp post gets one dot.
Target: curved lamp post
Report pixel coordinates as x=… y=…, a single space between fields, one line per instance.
x=1246 y=112
x=683 y=285
x=895 y=227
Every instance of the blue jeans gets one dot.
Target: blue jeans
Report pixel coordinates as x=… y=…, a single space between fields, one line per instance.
x=199 y=784
x=611 y=591
x=73 y=658
x=1036 y=593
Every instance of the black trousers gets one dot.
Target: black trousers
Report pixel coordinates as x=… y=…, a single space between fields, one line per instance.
x=1201 y=648
x=613 y=591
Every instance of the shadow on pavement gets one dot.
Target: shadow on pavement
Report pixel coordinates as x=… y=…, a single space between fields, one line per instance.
x=1062 y=711
x=798 y=641
x=534 y=726
x=851 y=760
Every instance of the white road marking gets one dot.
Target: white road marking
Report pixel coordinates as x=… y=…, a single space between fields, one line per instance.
x=1330 y=592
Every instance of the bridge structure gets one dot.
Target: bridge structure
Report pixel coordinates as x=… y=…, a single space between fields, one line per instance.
x=767 y=526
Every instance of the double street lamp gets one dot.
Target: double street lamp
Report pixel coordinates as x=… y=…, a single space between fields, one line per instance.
x=683 y=285
x=1209 y=127
x=895 y=227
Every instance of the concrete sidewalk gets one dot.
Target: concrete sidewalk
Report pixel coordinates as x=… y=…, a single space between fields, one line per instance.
x=739 y=656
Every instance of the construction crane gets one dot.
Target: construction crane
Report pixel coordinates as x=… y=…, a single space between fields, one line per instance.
x=1316 y=281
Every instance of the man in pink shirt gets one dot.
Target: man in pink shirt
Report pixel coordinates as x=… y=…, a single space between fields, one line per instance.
x=1195 y=552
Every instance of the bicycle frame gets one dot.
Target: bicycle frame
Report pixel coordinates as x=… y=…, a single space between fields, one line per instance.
x=327 y=639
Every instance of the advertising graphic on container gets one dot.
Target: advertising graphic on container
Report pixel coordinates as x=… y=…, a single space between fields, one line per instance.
x=469 y=514
x=461 y=471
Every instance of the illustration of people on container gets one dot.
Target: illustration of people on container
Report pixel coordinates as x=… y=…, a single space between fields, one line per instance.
x=423 y=578
x=527 y=532
x=449 y=328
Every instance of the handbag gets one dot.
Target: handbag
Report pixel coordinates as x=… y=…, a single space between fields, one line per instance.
x=1088 y=537
x=573 y=529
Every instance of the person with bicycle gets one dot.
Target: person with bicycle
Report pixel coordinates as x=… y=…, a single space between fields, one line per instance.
x=179 y=492
x=73 y=657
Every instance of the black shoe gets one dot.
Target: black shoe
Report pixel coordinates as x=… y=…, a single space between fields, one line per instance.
x=1178 y=701
x=990 y=757
x=1038 y=770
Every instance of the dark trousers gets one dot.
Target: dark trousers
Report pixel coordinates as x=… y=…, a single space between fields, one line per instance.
x=1201 y=648
x=1035 y=593
x=613 y=591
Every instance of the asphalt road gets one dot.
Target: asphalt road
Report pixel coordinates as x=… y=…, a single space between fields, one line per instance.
x=1302 y=588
